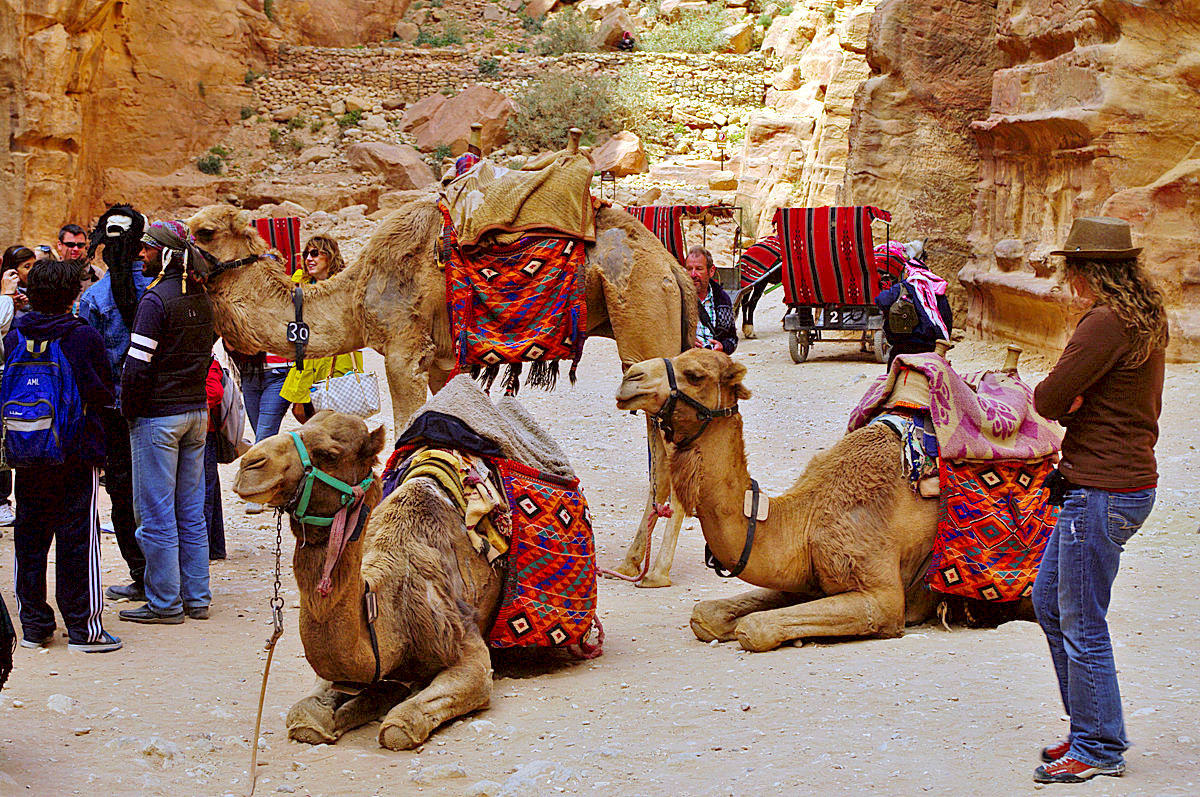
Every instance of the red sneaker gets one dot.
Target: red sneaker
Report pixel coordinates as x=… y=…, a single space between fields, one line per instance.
x=1069 y=770
x=1056 y=751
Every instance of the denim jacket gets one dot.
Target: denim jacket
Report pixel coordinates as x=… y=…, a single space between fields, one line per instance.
x=99 y=310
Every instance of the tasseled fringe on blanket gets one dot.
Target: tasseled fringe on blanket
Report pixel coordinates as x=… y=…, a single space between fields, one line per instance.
x=542 y=375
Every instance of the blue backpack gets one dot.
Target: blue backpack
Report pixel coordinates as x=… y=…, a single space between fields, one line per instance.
x=40 y=407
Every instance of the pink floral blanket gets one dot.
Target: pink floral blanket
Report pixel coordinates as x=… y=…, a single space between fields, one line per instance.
x=984 y=416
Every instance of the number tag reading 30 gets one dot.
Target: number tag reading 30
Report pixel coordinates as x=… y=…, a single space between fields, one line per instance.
x=297 y=332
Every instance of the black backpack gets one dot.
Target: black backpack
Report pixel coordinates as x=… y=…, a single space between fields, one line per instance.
x=903 y=317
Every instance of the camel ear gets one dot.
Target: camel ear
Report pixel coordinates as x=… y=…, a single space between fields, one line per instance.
x=731 y=376
x=373 y=444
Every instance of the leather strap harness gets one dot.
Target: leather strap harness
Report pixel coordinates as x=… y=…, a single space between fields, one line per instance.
x=297 y=331
x=664 y=419
x=710 y=558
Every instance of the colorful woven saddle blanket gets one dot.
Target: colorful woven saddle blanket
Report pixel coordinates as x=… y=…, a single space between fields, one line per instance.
x=759 y=258
x=532 y=523
x=513 y=305
x=993 y=525
x=984 y=416
x=828 y=254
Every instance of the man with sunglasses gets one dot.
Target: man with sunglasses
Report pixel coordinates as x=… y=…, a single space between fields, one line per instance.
x=72 y=242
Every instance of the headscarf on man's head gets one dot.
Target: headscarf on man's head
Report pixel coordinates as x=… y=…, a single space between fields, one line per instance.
x=119 y=231
x=178 y=247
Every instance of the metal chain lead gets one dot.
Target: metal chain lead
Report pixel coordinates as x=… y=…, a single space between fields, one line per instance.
x=277 y=600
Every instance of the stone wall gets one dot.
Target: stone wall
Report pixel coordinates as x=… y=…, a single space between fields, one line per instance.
x=313 y=78
x=1094 y=115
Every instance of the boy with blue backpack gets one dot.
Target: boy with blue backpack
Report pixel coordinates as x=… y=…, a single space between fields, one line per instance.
x=56 y=382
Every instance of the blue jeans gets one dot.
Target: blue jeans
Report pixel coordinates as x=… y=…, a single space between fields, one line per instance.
x=264 y=406
x=168 y=503
x=1071 y=597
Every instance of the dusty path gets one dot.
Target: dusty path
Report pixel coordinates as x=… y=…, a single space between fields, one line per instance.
x=659 y=713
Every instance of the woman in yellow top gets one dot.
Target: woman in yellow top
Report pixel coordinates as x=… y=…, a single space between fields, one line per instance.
x=322 y=259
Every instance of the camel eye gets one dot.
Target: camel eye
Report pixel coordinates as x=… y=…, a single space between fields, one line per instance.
x=693 y=376
x=204 y=234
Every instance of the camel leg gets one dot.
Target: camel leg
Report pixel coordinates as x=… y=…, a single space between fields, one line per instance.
x=461 y=688
x=311 y=720
x=717 y=619
x=879 y=613
x=661 y=492
x=368 y=706
x=659 y=574
x=406 y=384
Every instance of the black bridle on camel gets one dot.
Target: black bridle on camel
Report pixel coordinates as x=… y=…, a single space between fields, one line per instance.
x=664 y=421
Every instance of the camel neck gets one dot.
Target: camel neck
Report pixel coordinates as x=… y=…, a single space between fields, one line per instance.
x=333 y=627
x=712 y=478
x=253 y=305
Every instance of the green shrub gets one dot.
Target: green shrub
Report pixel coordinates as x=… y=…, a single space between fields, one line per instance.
x=316 y=126
x=276 y=135
x=697 y=32
x=441 y=152
x=269 y=9
x=565 y=32
x=209 y=163
x=349 y=118
x=830 y=12
x=552 y=104
x=633 y=110
x=488 y=66
x=251 y=76
x=247 y=112
x=295 y=144
x=785 y=11
x=219 y=151
x=451 y=34
x=530 y=24
x=296 y=122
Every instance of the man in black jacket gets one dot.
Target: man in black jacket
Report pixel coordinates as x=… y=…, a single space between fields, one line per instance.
x=163 y=397
x=58 y=502
x=715 y=328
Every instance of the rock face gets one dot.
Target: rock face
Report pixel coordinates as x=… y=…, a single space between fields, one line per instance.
x=436 y=121
x=1094 y=115
x=795 y=148
x=94 y=94
x=401 y=166
x=338 y=23
x=622 y=155
x=911 y=149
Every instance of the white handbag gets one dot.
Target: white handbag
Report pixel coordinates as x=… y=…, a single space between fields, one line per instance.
x=354 y=393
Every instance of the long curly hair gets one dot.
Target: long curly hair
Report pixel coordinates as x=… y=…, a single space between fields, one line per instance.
x=328 y=245
x=1125 y=288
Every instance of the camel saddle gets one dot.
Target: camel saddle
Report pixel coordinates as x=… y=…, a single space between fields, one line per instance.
x=491 y=205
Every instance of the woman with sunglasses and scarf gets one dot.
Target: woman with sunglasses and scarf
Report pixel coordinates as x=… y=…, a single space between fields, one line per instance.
x=322 y=260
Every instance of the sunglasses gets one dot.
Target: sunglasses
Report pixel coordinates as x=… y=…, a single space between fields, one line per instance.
x=312 y=253
x=74 y=246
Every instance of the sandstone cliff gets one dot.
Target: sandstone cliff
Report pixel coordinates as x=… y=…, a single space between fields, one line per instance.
x=1095 y=114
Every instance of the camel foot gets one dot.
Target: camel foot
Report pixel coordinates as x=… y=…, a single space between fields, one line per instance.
x=756 y=635
x=311 y=721
x=711 y=620
x=653 y=580
x=405 y=727
x=628 y=569
x=748 y=332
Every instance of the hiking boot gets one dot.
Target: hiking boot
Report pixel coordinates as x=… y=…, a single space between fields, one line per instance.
x=1070 y=770
x=145 y=614
x=196 y=612
x=253 y=508
x=125 y=592
x=37 y=644
x=1056 y=751
x=7 y=515
x=105 y=644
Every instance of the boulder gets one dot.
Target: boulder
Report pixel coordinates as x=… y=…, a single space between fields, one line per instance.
x=673 y=10
x=493 y=13
x=337 y=107
x=649 y=196
x=622 y=155
x=315 y=154
x=539 y=8
x=611 y=28
x=285 y=113
x=450 y=123
x=393 y=104
x=738 y=37
x=375 y=122
x=400 y=165
x=356 y=103
x=407 y=32
x=594 y=10
x=420 y=112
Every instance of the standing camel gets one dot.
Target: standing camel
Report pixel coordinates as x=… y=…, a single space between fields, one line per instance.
x=840 y=554
x=393 y=300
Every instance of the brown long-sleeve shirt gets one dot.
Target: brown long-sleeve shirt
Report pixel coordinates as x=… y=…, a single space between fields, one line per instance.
x=1110 y=439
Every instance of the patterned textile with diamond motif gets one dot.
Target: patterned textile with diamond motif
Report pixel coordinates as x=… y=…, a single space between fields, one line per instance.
x=550 y=589
x=993 y=524
x=517 y=304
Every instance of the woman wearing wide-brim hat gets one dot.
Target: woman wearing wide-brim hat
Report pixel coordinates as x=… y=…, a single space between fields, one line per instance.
x=1106 y=389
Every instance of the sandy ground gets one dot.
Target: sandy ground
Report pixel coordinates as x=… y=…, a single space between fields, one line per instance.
x=660 y=713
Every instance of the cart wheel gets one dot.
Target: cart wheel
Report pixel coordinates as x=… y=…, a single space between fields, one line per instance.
x=798 y=344
x=880 y=345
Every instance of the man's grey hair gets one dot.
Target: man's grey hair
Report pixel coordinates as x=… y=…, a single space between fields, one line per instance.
x=700 y=250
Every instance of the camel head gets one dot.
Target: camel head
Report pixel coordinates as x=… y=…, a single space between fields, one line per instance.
x=711 y=378
x=225 y=232
x=270 y=473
